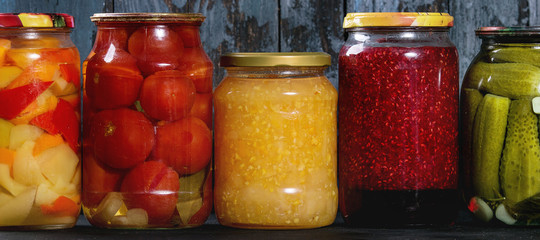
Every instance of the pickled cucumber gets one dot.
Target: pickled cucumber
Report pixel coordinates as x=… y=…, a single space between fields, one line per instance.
x=470 y=99
x=512 y=80
x=488 y=139
x=520 y=164
x=517 y=55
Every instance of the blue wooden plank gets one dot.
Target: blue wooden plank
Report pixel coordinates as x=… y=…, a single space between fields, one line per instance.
x=470 y=15
x=313 y=26
x=397 y=5
x=84 y=30
x=238 y=26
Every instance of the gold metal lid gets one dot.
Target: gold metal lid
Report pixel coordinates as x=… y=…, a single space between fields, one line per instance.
x=275 y=59
x=147 y=17
x=398 y=19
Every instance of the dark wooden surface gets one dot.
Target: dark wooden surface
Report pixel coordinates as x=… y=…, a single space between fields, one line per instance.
x=290 y=25
x=212 y=230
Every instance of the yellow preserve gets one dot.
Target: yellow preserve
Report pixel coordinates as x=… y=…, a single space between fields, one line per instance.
x=275 y=142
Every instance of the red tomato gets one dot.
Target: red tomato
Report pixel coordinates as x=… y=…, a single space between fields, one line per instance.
x=122 y=138
x=88 y=113
x=203 y=213
x=156 y=48
x=202 y=108
x=111 y=36
x=112 y=79
x=97 y=179
x=196 y=65
x=153 y=187
x=184 y=145
x=190 y=36
x=167 y=95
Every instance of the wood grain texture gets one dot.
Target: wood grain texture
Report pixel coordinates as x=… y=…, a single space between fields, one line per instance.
x=238 y=26
x=84 y=30
x=470 y=15
x=289 y=25
x=397 y=6
x=150 y=6
x=313 y=26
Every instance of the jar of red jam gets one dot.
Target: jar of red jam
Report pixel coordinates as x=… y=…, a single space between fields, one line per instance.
x=40 y=171
x=500 y=143
x=398 y=119
x=147 y=122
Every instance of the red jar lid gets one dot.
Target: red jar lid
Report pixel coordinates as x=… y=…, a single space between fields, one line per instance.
x=36 y=20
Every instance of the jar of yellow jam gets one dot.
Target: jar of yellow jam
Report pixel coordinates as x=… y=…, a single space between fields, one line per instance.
x=275 y=142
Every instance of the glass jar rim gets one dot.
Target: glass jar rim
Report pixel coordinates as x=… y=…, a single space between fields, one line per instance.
x=148 y=17
x=398 y=29
x=275 y=59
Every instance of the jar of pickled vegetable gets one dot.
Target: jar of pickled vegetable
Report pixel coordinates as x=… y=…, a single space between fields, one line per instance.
x=275 y=142
x=148 y=119
x=398 y=120
x=40 y=171
x=500 y=146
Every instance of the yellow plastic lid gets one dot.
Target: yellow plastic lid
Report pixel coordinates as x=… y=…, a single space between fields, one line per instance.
x=398 y=19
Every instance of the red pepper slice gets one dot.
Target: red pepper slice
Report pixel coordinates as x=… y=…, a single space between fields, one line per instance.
x=17 y=99
x=70 y=72
x=63 y=120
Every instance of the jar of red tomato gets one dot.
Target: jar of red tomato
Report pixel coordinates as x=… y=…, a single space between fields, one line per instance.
x=40 y=171
x=398 y=119
x=147 y=122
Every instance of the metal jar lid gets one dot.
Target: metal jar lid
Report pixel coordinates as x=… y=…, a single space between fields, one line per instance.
x=275 y=59
x=148 y=17
x=36 y=20
x=398 y=19
x=508 y=31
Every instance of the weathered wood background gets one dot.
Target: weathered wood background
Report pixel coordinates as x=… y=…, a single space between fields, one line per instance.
x=290 y=25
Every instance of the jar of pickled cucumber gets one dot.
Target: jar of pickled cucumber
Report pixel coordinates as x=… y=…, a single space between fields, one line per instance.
x=147 y=122
x=398 y=120
x=40 y=171
x=500 y=146
x=275 y=142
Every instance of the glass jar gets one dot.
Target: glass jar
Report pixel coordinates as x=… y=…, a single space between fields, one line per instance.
x=40 y=171
x=398 y=119
x=148 y=119
x=499 y=137
x=275 y=142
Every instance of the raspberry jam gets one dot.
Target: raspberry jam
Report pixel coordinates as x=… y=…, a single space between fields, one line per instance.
x=398 y=133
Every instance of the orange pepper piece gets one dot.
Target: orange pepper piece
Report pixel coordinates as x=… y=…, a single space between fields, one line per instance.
x=39 y=70
x=6 y=157
x=60 y=55
x=5 y=45
x=22 y=57
x=46 y=141
x=62 y=206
